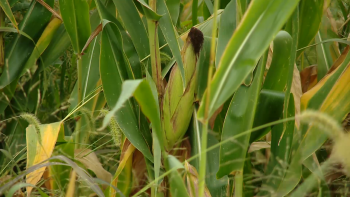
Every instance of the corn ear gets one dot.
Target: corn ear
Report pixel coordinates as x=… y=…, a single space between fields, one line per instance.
x=178 y=100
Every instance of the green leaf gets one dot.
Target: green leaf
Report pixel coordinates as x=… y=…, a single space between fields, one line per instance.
x=146 y=95
x=113 y=73
x=227 y=27
x=42 y=43
x=326 y=52
x=177 y=185
x=7 y=9
x=250 y=40
x=149 y=13
x=280 y=152
x=309 y=11
x=20 y=48
x=75 y=15
x=280 y=66
x=216 y=186
x=134 y=25
x=174 y=10
x=321 y=97
x=131 y=57
x=171 y=36
x=143 y=92
x=268 y=99
x=239 y=118
x=59 y=43
x=90 y=69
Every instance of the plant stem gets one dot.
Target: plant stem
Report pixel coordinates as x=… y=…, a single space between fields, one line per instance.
x=79 y=138
x=154 y=51
x=203 y=160
x=157 y=77
x=239 y=183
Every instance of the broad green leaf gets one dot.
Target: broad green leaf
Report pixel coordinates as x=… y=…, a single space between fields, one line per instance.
x=19 y=49
x=250 y=40
x=293 y=30
x=332 y=87
x=59 y=43
x=134 y=25
x=226 y=28
x=75 y=15
x=239 y=118
x=113 y=73
x=7 y=9
x=90 y=70
x=143 y=93
x=177 y=185
x=323 y=60
x=217 y=187
x=326 y=52
x=174 y=10
x=118 y=46
x=131 y=57
x=171 y=36
x=146 y=95
x=281 y=70
x=149 y=13
x=280 y=151
x=41 y=141
x=309 y=11
x=210 y=6
x=42 y=43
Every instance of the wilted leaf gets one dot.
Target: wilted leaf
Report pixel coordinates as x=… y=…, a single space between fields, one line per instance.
x=89 y=159
x=39 y=151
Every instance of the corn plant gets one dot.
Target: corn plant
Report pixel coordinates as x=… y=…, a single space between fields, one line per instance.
x=174 y=98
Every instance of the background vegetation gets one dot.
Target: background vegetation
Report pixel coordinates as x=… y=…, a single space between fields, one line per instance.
x=174 y=98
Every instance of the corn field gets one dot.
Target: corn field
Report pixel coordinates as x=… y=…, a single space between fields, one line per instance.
x=167 y=98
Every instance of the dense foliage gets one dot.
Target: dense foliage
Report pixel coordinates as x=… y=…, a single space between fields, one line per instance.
x=174 y=98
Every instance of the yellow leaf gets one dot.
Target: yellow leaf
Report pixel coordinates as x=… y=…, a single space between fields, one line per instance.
x=125 y=160
x=37 y=151
x=71 y=186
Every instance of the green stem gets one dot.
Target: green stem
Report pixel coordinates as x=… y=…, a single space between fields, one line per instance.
x=157 y=77
x=239 y=183
x=214 y=147
x=79 y=137
x=203 y=160
x=154 y=51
